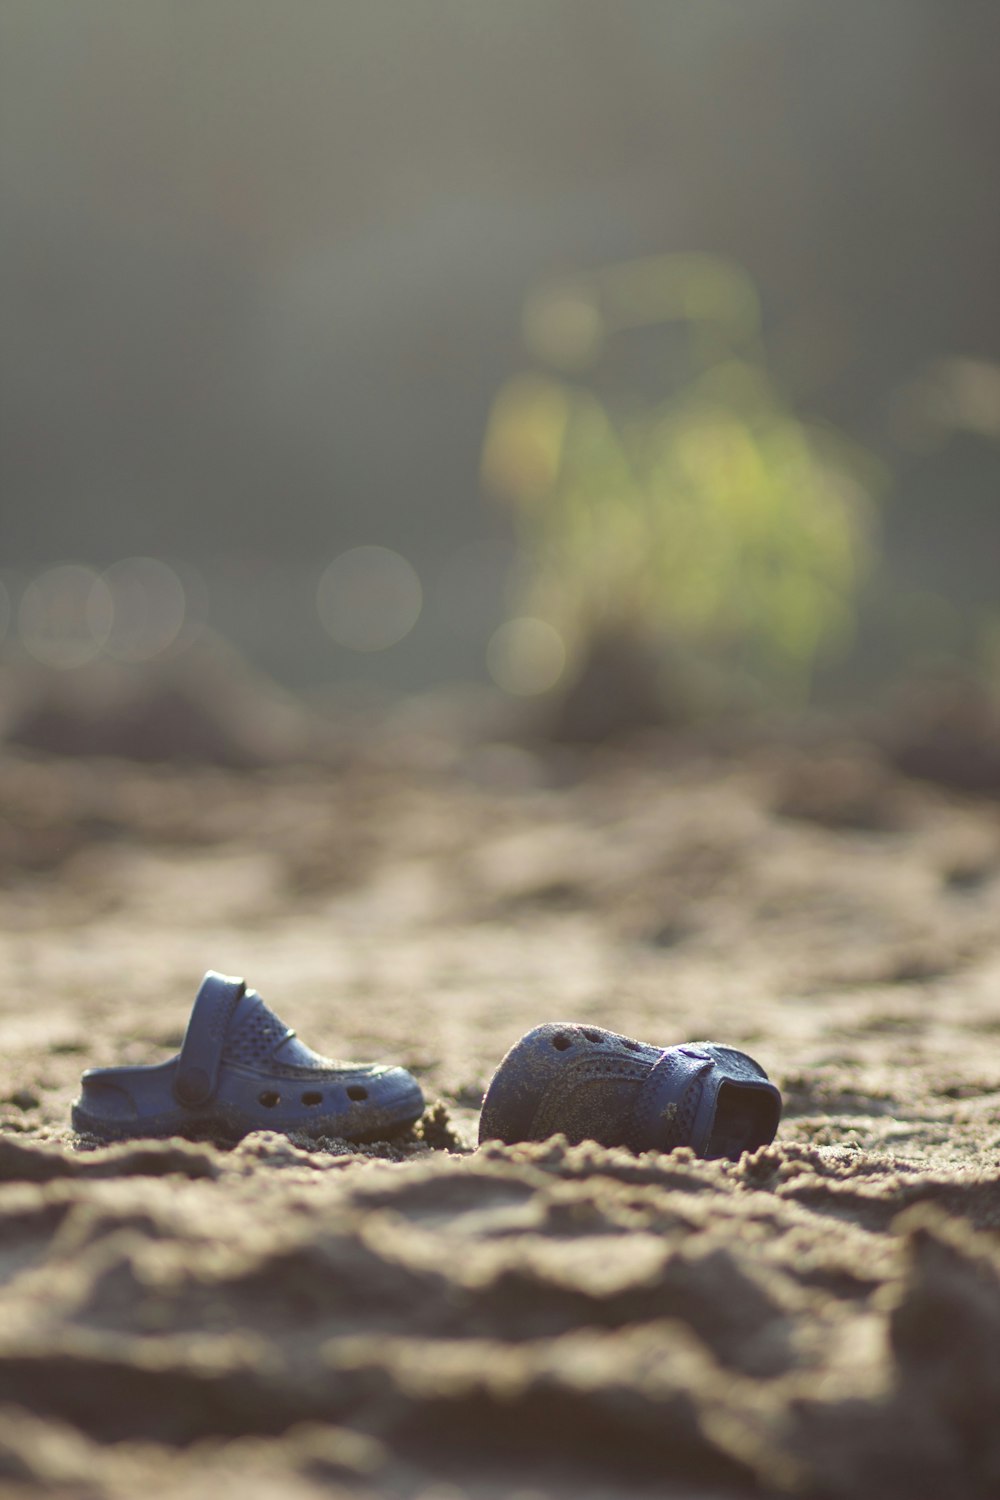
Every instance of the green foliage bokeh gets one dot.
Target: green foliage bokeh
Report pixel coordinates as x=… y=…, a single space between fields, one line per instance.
x=708 y=515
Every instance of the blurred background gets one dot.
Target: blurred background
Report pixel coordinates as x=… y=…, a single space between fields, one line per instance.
x=643 y=355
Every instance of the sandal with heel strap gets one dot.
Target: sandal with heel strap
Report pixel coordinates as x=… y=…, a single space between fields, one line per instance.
x=241 y=1069
x=590 y=1084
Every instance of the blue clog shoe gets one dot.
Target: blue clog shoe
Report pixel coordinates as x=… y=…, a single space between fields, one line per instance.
x=241 y=1069
x=590 y=1084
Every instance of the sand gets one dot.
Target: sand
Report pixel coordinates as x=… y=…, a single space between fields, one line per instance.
x=422 y=1318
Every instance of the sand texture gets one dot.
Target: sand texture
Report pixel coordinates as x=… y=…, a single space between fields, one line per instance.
x=419 y=1318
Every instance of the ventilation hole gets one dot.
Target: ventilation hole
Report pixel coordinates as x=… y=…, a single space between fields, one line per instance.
x=560 y=1041
x=356 y=1092
x=312 y=1098
x=269 y=1099
x=632 y=1046
x=592 y=1036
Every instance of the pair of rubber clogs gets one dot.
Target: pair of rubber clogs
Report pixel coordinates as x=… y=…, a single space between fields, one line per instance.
x=241 y=1069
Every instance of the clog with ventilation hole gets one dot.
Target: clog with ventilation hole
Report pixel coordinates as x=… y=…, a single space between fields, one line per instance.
x=241 y=1069
x=590 y=1084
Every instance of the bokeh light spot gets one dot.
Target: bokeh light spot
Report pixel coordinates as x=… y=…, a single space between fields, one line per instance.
x=149 y=608
x=563 y=326
x=526 y=657
x=369 y=598
x=523 y=447
x=65 y=616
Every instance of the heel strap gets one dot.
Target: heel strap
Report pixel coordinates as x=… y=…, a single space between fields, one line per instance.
x=668 y=1100
x=201 y=1052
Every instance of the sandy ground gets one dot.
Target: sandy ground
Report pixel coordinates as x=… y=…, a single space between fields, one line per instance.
x=425 y=1319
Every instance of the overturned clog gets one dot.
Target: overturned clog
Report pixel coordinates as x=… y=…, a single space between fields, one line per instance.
x=241 y=1069
x=590 y=1084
